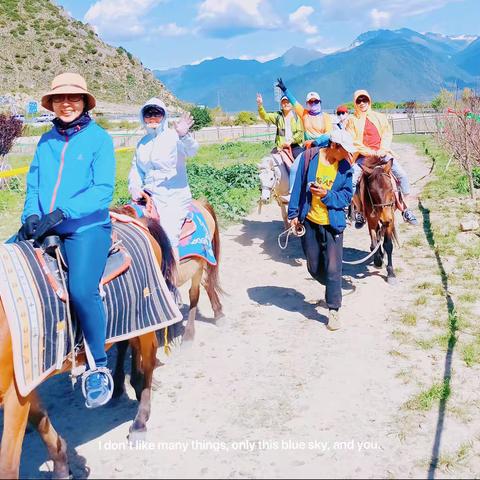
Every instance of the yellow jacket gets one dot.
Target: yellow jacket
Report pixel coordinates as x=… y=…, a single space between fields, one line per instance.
x=356 y=125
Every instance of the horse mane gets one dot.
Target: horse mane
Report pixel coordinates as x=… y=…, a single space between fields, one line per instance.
x=168 y=267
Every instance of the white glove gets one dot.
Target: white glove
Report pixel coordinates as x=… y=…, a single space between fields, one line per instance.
x=184 y=124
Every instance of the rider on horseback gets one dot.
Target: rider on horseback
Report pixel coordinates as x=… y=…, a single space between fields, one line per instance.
x=159 y=167
x=316 y=124
x=289 y=133
x=372 y=135
x=69 y=189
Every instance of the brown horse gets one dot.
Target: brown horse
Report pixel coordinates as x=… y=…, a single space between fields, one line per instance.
x=195 y=269
x=377 y=195
x=19 y=410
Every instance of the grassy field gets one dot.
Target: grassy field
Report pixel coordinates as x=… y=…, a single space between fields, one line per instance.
x=224 y=174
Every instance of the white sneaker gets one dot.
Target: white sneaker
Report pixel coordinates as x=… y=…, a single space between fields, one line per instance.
x=333 y=320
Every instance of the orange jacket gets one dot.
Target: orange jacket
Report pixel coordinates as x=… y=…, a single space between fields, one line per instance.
x=356 y=126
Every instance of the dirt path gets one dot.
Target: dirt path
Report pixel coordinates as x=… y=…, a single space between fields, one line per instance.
x=272 y=393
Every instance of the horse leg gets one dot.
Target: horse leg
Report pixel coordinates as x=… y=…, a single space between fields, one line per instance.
x=194 y=294
x=15 y=416
x=15 y=407
x=388 y=243
x=283 y=209
x=147 y=345
x=378 y=256
x=119 y=373
x=56 y=445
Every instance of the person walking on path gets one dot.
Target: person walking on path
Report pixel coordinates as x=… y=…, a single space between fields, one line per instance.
x=322 y=190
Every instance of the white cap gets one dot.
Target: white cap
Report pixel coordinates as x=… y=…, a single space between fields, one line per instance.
x=343 y=138
x=312 y=96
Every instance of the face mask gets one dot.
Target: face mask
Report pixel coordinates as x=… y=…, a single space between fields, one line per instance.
x=315 y=109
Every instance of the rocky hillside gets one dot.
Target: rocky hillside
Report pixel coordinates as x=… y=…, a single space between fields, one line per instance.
x=39 y=40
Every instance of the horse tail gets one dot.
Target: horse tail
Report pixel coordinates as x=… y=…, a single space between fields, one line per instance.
x=212 y=284
x=169 y=265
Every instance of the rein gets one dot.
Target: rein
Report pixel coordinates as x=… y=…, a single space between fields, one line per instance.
x=380 y=205
x=379 y=244
x=298 y=232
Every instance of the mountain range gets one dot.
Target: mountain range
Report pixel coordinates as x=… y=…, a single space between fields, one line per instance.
x=397 y=65
x=40 y=40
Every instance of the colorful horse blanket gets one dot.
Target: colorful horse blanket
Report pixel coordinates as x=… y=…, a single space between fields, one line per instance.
x=198 y=243
x=136 y=302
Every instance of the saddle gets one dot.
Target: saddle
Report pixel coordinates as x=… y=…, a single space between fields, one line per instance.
x=118 y=261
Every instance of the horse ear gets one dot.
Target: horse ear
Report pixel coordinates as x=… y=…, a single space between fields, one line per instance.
x=388 y=166
x=366 y=170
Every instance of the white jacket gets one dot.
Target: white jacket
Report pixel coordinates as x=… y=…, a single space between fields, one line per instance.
x=159 y=160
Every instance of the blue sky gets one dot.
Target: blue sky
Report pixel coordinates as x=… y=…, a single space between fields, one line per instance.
x=169 y=33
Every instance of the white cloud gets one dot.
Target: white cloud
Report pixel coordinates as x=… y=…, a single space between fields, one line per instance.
x=378 y=13
x=299 y=20
x=229 y=18
x=120 y=19
x=379 y=18
x=171 y=30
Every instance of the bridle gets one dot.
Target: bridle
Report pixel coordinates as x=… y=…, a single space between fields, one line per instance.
x=380 y=205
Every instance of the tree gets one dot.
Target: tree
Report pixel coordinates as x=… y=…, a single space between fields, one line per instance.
x=245 y=118
x=201 y=116
x=460 y=134
x=442 y=100
x=10 y=129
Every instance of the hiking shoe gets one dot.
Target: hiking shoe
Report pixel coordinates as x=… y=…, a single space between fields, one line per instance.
x=409 y=217
x=359 y=220
x=333 y=320
x=97 y=387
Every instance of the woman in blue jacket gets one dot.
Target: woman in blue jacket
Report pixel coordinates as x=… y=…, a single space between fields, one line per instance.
x=322 y=190
x=69 y=189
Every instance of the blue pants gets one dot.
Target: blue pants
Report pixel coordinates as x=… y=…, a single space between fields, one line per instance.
x=293 y=172
x=397 y=170
x=324 y=251
x=86 y=253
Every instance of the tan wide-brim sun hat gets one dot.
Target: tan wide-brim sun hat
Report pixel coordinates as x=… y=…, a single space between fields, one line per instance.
x=68 y=83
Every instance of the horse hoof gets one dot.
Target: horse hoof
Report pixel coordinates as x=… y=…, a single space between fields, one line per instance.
x=136 y=437
x=392 y=280
x=187 y=343
x=378 y=263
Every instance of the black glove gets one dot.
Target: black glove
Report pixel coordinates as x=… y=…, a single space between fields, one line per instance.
x=48 y=222
x=28 y=228
x=281 y=85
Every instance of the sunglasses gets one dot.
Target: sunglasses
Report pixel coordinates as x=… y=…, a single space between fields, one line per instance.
x=314 y=102
x=153 y=115
x=342 y=113
x=67 y=98
x=362 y=100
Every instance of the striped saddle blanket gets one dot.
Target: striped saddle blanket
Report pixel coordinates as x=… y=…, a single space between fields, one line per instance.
x=136 y=302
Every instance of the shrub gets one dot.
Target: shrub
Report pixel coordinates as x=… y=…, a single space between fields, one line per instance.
x=245 y=118
x=201 y=116
x=10 y=129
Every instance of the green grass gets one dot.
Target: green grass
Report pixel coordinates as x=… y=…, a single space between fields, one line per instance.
x=226 y=175
x=425 y=400
x=409 y=319
x=471 y=352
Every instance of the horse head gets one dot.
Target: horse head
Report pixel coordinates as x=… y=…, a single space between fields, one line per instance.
x=268 y=177
x=380 y=194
